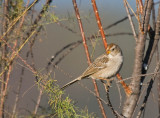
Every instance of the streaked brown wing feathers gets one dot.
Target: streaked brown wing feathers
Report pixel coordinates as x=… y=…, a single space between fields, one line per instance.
x=98 y=64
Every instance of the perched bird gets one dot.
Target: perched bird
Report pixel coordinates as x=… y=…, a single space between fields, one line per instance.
x=104 y=67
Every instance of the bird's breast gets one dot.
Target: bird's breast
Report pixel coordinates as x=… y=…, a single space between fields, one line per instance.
x=112 y=68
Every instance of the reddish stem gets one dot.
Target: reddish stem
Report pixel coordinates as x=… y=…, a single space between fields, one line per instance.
x=124 y=85
x=88 y=56
x=82 y=31
x=99 y=23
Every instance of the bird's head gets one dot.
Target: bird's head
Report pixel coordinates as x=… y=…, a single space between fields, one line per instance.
x=113 y=50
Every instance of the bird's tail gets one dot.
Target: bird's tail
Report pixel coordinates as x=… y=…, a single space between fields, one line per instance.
x=71 y=82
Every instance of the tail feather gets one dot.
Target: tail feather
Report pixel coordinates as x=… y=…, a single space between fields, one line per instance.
x=71 y=82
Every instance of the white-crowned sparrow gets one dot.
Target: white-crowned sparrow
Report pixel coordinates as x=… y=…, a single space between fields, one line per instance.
x=104 y=67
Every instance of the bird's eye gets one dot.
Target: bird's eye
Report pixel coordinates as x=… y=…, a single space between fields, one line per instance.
x=113 y=49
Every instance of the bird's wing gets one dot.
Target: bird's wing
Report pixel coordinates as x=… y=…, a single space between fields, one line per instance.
x=98 y=64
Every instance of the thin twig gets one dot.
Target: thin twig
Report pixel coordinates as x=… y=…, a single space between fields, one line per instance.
x=17 y=97
x=119 y=91
x=148 y=90
x=22 y=21
x=109 y=102
x=4 y=55
x=5 y=90
x=158 y=83
x=153 y=17
x=38 y=101
x=141 y=75
x=141 y=95
x=158 y=91
x=130 y=20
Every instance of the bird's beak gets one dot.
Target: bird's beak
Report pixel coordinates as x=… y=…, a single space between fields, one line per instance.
x=108 y=52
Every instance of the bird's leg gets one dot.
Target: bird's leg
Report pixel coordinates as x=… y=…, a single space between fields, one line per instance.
x=108 y=84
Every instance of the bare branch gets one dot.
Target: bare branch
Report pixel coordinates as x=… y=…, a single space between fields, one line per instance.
x=131 y=101
x=38 y=101
x=117 y=115
x=130 y=20
x=148 y=91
